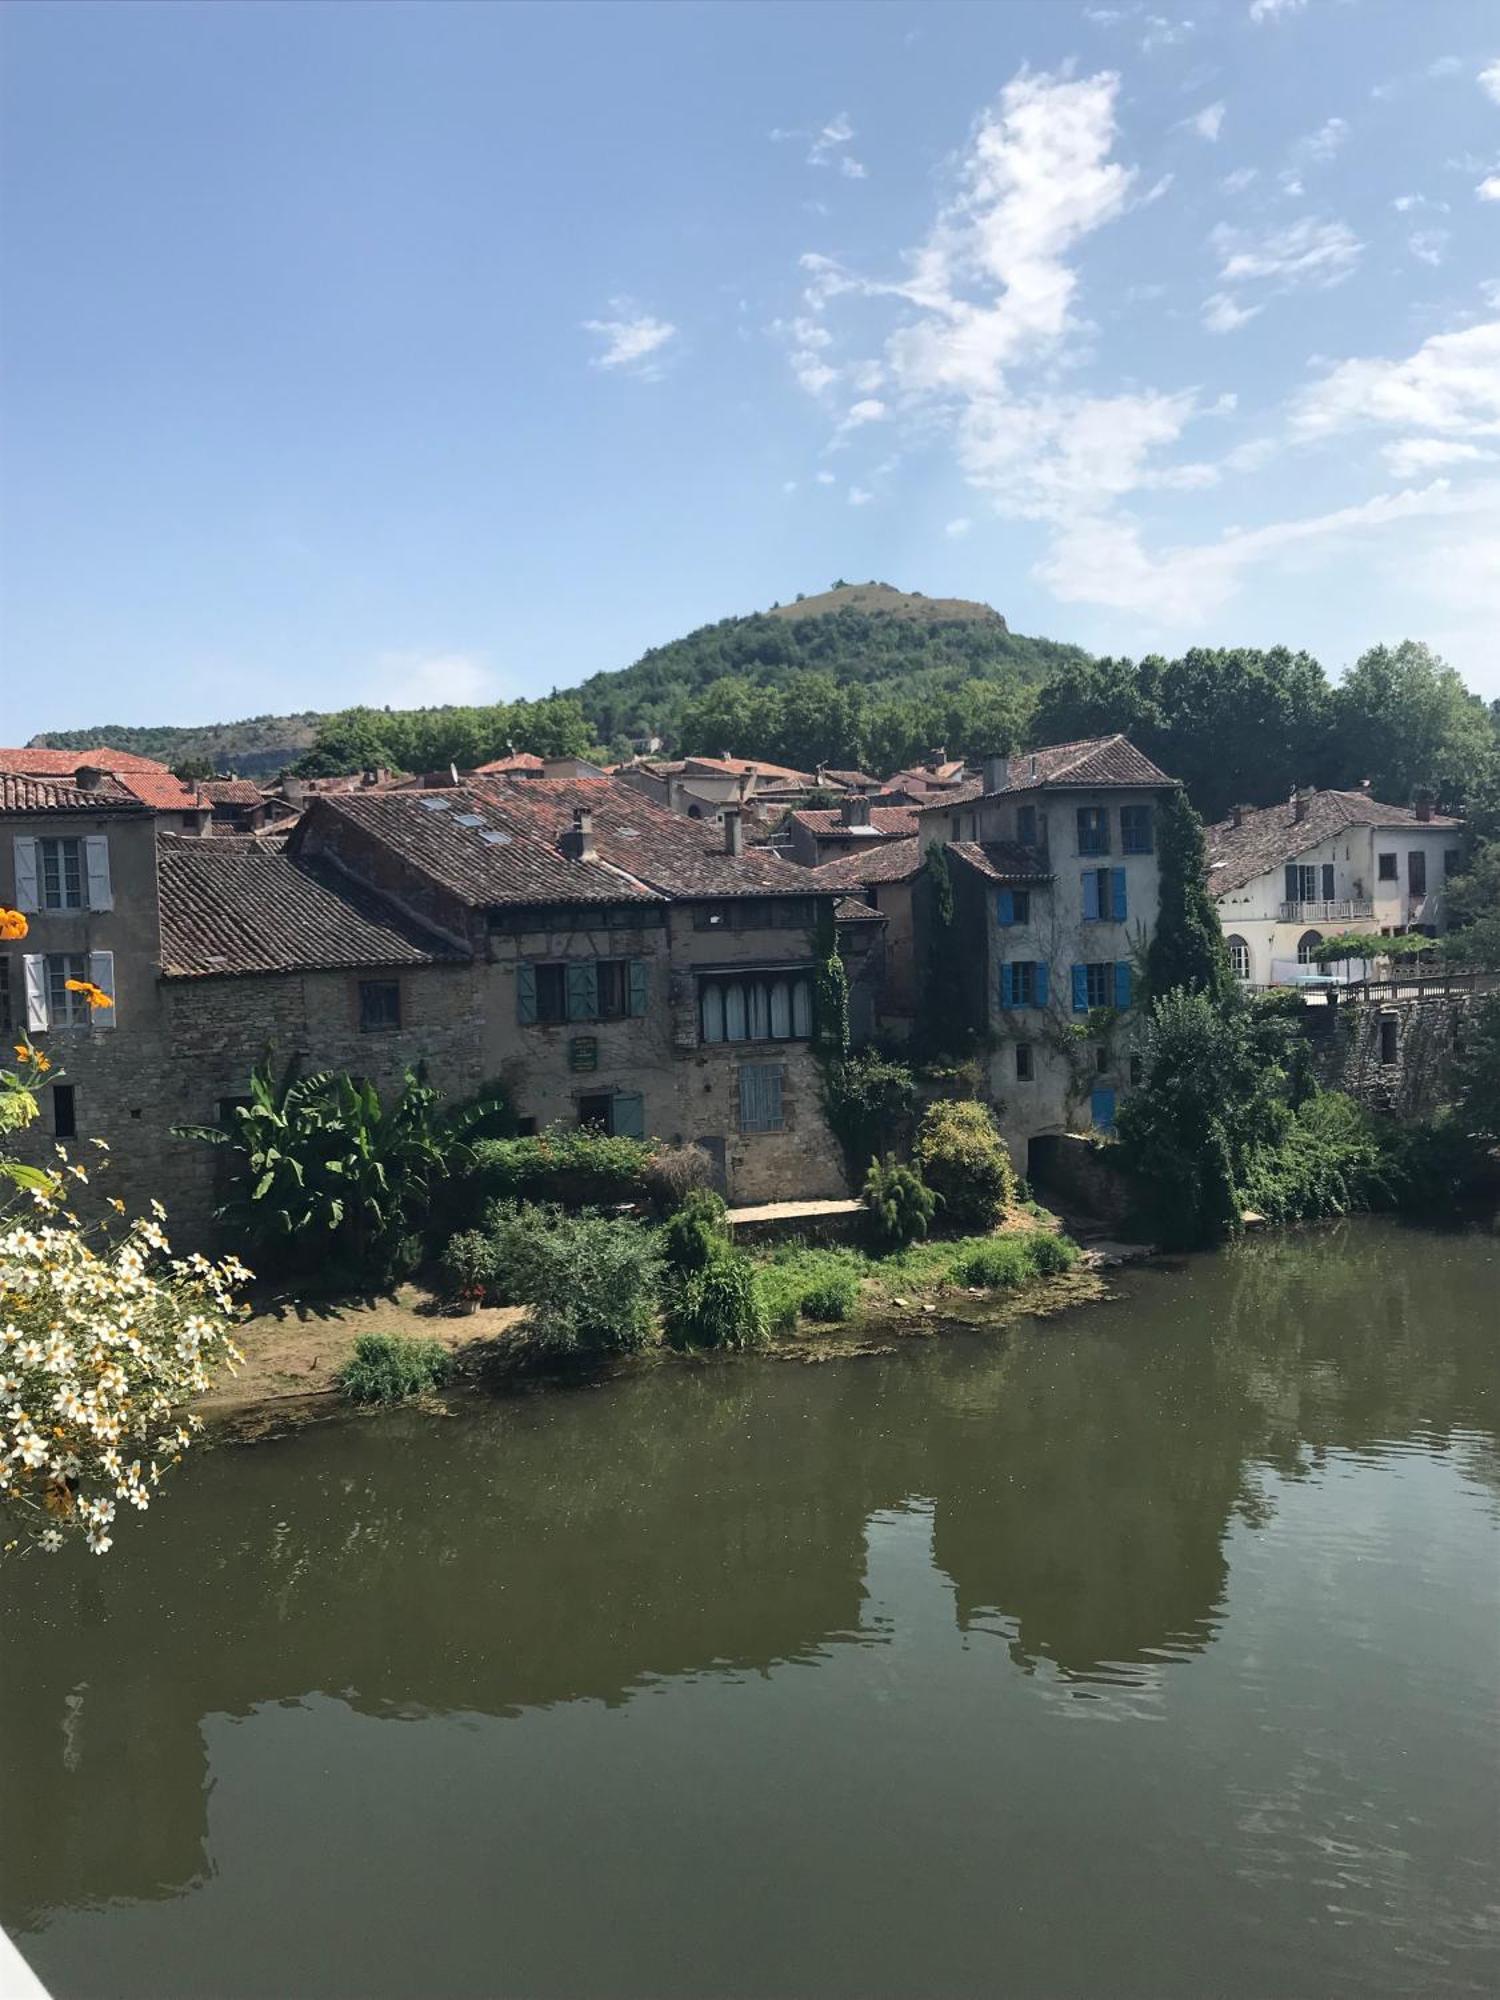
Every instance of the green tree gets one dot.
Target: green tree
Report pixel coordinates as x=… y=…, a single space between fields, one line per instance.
x=1187 y=948
x=1473 y=910
x=1477 y=1076
x=1403 y=718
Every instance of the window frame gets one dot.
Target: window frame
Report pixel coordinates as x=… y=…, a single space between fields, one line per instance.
x=368 y=1025
x=1092 y=825
x=66 y=1010
x=1025 y=1063
x=758 y=1007
x=1239 y=950
x=1137 y=813
x=1416 y=871
x=1388 y=866
x=64 y=847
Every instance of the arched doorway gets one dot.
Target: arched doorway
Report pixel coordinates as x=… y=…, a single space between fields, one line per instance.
x=1307 y=944
x=1239 y=957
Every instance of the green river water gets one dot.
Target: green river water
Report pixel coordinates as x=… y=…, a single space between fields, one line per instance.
x=1152 y=1650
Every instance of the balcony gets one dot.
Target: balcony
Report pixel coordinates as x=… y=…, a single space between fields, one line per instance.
x=1348 y=910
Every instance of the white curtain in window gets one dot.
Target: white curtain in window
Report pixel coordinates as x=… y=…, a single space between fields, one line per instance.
x=802 y=1008
x=760 y=1015
x=735 y=1023
x=713 y=1013
x=781 y=1010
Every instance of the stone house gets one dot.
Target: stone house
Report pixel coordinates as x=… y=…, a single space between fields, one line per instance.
x=703 y=787
x=884 y=875
x=816 y=834
x=1285 y=877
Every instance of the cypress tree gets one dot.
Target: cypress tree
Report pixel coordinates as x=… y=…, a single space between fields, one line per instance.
x=1187 y=948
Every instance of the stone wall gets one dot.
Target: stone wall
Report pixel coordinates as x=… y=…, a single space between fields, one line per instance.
x=1392 y=1055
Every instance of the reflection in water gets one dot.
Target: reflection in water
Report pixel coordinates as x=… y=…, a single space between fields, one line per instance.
x=1089 y=1502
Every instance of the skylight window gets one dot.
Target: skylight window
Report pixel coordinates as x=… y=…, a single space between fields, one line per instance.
x=434 y=805
x=467 y=819
x=492 y=839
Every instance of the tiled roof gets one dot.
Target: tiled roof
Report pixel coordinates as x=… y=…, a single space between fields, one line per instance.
x=1269 y=836
x=522 y=760
x=884 y=861
x=1002 y=860
x=741 y=767
x=850 y=910
x=855 y=781
x=232 y=792
x=1092 y=761
x=247 y=906
x=44 y=763
x=20 y=794
x=949 y=772
x=886 y=822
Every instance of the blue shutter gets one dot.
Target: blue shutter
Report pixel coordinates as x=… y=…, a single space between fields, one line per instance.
x=1080 y=989
x=1102 y=1109
x=583 y=990
x=525 y=993
x=1117 y=893
x=1122 y=984
x=1091 y=896
x=1005 y=907
x=628 y=1115
x=1007 y=986
x=1040 y=988
x=639 y=985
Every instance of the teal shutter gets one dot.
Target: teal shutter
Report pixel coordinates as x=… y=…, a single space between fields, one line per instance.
x=1091 y=896
x=1102 y=1109
x=1122 y=984
x=639 y=985
x=1117 y=894
x=628 y=1115
x=1040 y=986
x=583 y=990
x=1080 y=989
x=1005 y=907
x=1007 y=986
x=525 y=993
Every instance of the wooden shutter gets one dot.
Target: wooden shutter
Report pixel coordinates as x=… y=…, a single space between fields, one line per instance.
x=1091 y=896
x=583 y=990
x=1293 y=883
x=96 y=871
x=102 y=972
x=525 y=994
x=640 y=973
x=1117 y=894
x=1005 y=907
x=1102 y=1109
x=628 y=1115
x=1007 y=986
x=1122 y=984
x=1327 y=881
x=760 y=1097
x=37 y=1016
x=1039 y=977
x=1080 y=989
x=28 y=882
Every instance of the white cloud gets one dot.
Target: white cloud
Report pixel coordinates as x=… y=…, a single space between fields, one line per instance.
x=828 y=148
x=1428 y=246
x=1489 y=81
x=956 y=530
x=868 y=411
x=1272 y=10
x=1160 y=33
x=1451 y=384
x=1444 y=66
x=1054 y=457
x=788 y=485
x=429 y=680
x=1223 y=314
x=1324 y=143
x=859 y=496
x=824 y=478
x=631 y=339
x=1208 y=122
x=1309 y=252
x=1489 y=188
x=1410 y=457
x=851 y=169
x=812 y=374
x=1239 y=180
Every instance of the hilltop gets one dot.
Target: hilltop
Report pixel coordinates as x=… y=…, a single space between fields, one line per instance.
x=885 y=600
x=257 y=747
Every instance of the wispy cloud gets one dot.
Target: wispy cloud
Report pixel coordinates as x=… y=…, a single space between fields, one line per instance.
x=1428 y=246
x=1451 y=384
x=1309 y=252
x=1274 y=10
x=1208 y=122
x=829 y=148
x=956 y=530
x=1324 y=143
x=1239 y=180
x=860 y=496
x=1489 y=81
x=1224 y=314
x=631 y=339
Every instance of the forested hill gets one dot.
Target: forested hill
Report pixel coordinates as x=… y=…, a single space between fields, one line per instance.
x=260 y=745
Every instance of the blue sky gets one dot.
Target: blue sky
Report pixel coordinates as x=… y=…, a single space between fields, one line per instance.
x=418 y=353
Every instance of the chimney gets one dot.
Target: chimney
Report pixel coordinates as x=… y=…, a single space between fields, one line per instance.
x=996 y=773
x=88 y=777
x=1236 y=815
x=1299 y=806
x=855 y=810
x=577 y=840
x=734 y=831
x=1423 y=805
x=937 y=758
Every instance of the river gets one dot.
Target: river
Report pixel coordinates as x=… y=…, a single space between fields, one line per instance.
x=1151 y=1650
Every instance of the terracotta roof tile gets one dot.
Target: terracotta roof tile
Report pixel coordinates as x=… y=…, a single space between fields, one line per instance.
x=886 y=822
x=850 y=910
x=1002 y=860
x=232 y=792
x=1102 y=761
x=247 y=906
x=1270 y=836
x=39 y=795
x=883 y=861
x=36 y=762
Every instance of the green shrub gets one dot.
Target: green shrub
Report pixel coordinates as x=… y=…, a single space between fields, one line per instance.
x=831 y=1299
x=716 y=1305
x=867 y=1100
x=591 y=1283
x=814 y=1283
x=1006 y=1261
x=576 y=1168
x=697 y=1234
x=1329 y=1160
x=900 y=1205
x=1051 y=1255
x=514 y=1229
x=467 y=1266
x=963 y=1160
x=384 y=1368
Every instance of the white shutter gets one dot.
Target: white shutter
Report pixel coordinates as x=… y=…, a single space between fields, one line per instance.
x=36 y=991
x=28 y=883
x=102 y=972
x=96 y=865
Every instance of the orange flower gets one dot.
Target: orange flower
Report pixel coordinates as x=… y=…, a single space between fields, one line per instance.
x=12 y=924
x=94 y=995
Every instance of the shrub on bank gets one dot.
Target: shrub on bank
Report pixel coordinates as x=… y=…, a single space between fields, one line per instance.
x=899 y=1204
x=1007 y=1261
x=467 y=1267
x=718 y=1304
x=385 y=1368
x=963 y=1159
x=799 y=1281
x=591 y=1282
x=577 y=1168
x=697 y=1234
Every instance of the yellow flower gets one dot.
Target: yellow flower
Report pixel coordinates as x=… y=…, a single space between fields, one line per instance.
x=12 y=924
x=94 y=996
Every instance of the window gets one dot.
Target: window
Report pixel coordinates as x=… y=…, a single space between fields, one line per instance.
x=1239 y=957
x=1390 y=1038
x=526 y=1128
x=1026 y=825
x=1328 y=882
x=1301 y=884
x=1452 y=860
x=1416 y=872
x=582 y=989
x=62 y=874
x=1012 y=906
x=1307 y=944
x=66 y=1009
x=761 y=1095
x=1101 y=984
x=64 y=1111
x=1104 y=895
x=1093 y=830
x=1023 y=983
x=1385 y=867
x=756 y=913
x=772 y=1006
x=1136 y=835
x=379 y=1005
x=619 y=1113
x=1024 y=1071
x=65 y=873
